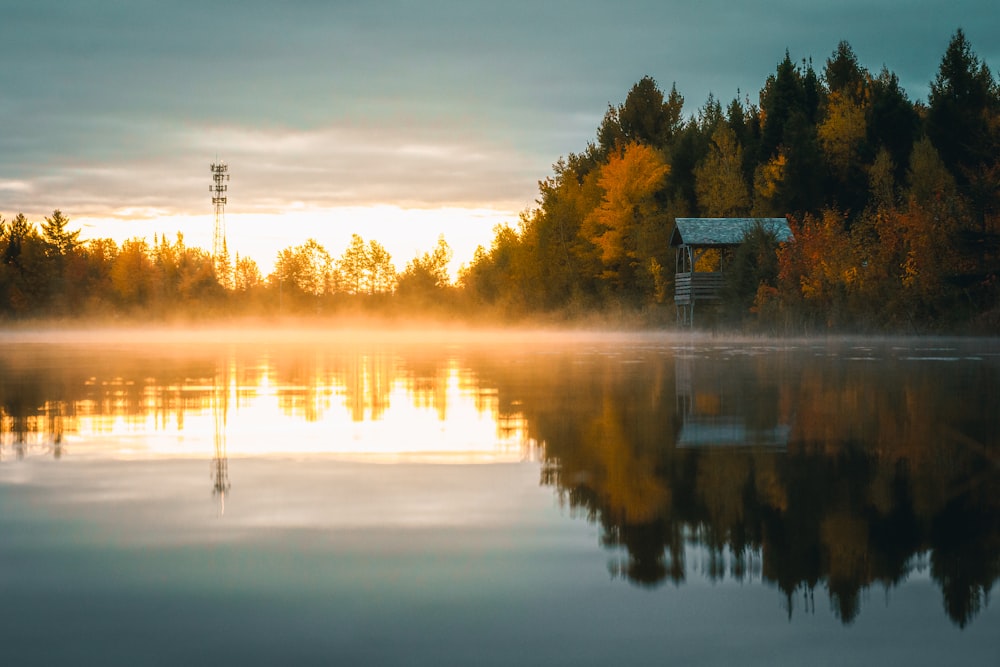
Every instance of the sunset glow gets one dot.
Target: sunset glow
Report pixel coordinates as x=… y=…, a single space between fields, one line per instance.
x=405 y=232
x=454 y=423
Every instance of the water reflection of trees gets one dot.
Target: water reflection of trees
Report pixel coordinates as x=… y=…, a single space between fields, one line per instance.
x=850 y=474
x=46 y=391
x=803 y=470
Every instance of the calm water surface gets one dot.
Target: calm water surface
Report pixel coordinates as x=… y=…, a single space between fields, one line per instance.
x=497 y=499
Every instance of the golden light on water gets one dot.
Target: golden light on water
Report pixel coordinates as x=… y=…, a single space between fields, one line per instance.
x=374 y=412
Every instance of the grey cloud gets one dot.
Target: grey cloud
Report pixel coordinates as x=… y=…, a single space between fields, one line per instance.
x=149 y=89
x=344 y=165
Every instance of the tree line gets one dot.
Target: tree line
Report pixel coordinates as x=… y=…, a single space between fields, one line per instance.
x=46 y=271
x=894 y=204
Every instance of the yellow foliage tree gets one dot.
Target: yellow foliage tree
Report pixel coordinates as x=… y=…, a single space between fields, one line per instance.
x=719 y=183
x=381 y=272
x=628 y=215
x=842 y=132
x=246 y=274
x=307 y=267
x=132 y=271
x=819 y=271
x=767 y=182
x=930 y=224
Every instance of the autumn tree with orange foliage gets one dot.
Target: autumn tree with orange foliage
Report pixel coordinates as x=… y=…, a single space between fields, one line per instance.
x=627 y=226
x=817 y=272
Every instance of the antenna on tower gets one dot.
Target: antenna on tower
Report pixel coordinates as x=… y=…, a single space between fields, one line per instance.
x=220 y=174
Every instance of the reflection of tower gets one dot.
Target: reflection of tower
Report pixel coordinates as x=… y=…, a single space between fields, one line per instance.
x=220 y=463
x=220 y=174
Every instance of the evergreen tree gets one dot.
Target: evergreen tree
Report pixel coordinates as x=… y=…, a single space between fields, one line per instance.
x=645 y=117
x=19 y=230
x=963 y=105
x=744 y=120
x=60 y=240
x=893 y=121
x=843 y=74
x=805 y=173
x=781 y=97
x=754 y=265
x=812 y=93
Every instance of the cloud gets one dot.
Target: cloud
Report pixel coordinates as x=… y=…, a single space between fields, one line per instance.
x=15 y=186
x=270 y=169
x=108 y=105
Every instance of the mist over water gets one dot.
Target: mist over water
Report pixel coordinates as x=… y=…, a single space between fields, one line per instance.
x=441 y=496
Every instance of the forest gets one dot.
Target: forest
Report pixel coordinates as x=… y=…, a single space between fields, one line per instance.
x=894 y=205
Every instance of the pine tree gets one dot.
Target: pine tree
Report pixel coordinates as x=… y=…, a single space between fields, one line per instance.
x=60 y=240
x=963 y=102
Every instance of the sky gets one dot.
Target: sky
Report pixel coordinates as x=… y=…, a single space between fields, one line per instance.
x=396 y=120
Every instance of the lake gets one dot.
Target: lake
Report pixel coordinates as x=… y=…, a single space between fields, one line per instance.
x=497 y=498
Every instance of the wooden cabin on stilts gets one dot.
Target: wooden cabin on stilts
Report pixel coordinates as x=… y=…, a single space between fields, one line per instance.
x=702 y=247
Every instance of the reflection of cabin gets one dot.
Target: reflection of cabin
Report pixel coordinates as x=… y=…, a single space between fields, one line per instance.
x=720 y=406
x=702 y=246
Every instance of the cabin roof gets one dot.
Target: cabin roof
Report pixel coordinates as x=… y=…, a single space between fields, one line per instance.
x=724 y=231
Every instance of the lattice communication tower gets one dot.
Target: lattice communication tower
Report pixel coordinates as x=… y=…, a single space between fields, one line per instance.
x=220 y=174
